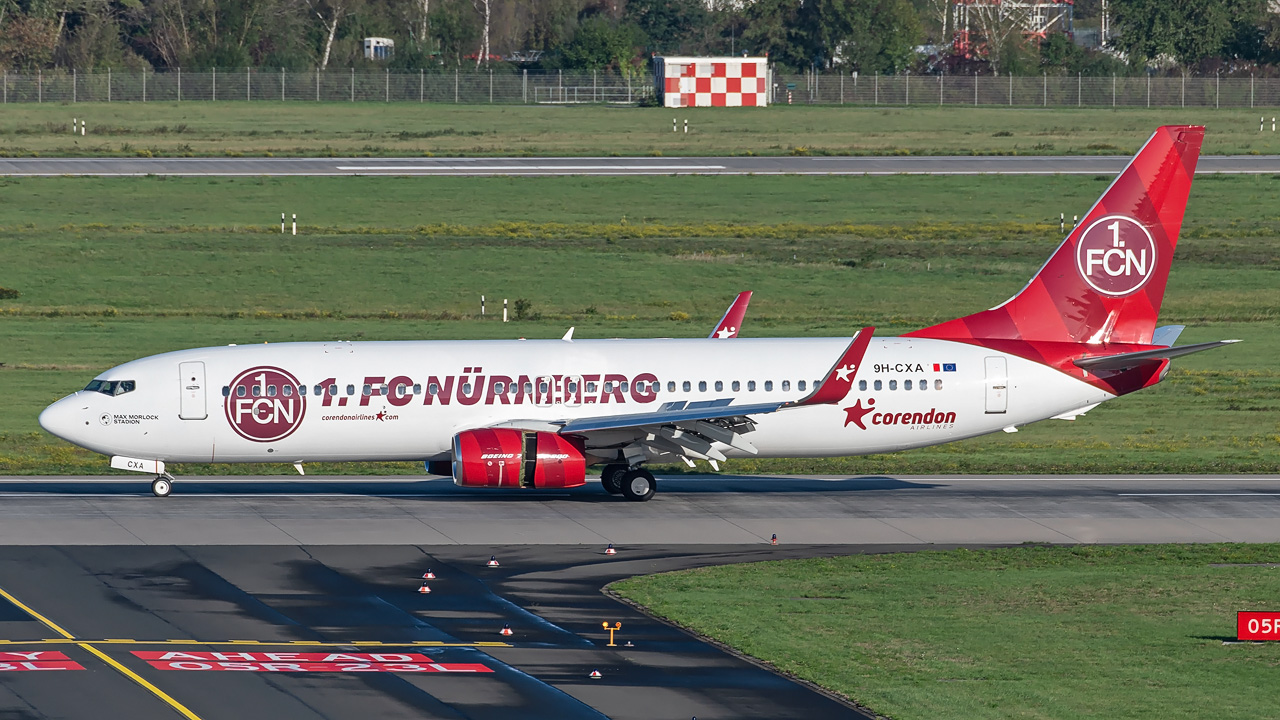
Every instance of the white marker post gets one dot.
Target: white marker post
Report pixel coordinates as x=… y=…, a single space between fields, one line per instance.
x=82 y=128
x=481 y=306
x=504 y=309
x=1273 y=123
x=1062 y=222
x=295 y=223
x=686 y=126
x=673 y=125
x=281 y=223
x=73 y=126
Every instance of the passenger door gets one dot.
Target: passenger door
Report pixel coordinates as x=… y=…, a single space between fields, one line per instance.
x=191 y=380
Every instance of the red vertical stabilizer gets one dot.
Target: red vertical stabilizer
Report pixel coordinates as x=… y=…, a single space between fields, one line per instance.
x=1105 y=283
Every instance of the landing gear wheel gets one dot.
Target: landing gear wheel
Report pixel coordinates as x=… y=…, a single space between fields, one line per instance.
x=162 y=486
x=611 y=478
x=638 y=485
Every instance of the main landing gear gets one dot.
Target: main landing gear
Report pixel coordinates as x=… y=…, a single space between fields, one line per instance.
x=162 y=485
x=635 y=484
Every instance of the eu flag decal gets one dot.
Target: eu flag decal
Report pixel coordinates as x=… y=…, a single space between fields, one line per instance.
x=944 y=367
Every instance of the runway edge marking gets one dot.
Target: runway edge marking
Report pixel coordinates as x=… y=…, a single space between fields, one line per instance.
x=182 y=709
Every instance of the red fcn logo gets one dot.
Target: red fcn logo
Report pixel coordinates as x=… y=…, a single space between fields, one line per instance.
x=264 y=404
x=1116 y=255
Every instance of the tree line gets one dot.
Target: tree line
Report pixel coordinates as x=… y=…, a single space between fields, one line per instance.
x=867 y=36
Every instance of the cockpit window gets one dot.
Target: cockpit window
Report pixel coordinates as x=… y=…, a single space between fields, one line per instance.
x=111 y=387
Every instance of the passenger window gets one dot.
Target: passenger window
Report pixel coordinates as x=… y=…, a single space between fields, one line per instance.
x=466 y=388
x=351 y=389
x=786 y=385
x=924 y=384
x=906 y=384
x=800 y=385
x=528 y=388
x=937 y=384
x=500 y=388
x=542 y=388
x=893 y=384
x=286 y=390
x=240 y=391
x=687 y=386
x=271 y=391
x=671 y=386
x=417 y=388
x=768 y=386
x=879 y=385
x=719 y=386
x=862 y=384
x=751 y=386
x=736 y=386
x=383 y=389
x=333 y=390
x=608 y=386
x=319 y=390
x=226 y=391
x=256 y=391
x=623 y=387
x=302 y=389
x=433 y=389
x=366 y=390
x=591 y=387
x=702 y=386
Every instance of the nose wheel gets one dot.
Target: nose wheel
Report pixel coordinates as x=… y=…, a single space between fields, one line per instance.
x=162 y=485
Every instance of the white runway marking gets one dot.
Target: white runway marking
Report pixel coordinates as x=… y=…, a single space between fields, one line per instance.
x=1248 y=494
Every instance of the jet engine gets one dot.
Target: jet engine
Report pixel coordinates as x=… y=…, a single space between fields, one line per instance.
x=504 y=457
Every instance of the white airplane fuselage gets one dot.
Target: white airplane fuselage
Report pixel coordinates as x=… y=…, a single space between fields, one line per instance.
x=909 y=393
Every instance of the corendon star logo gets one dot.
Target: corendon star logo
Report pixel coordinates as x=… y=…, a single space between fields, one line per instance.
x=263 y=404
x=857 y=412
x=726 y=332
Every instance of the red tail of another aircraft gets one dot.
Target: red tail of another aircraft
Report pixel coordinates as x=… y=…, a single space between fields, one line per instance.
x=1105 y=283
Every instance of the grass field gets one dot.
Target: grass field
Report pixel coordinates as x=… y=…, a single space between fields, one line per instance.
x=114 y=269
x=1028 y=632
x=375 y=129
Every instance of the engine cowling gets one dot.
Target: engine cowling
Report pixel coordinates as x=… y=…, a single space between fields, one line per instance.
x=503 y=457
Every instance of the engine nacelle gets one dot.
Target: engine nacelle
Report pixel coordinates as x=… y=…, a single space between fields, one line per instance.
x=504 y=457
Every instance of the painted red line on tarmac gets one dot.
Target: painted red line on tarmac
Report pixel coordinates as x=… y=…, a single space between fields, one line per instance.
x=277 y=657
x=26 y=665
x=320 y=667
x=31 y=655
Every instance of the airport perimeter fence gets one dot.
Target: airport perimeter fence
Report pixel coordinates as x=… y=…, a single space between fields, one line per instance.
x=481 y=86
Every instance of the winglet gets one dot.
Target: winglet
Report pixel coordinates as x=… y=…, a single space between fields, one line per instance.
x=840 y=377
x=732 y=321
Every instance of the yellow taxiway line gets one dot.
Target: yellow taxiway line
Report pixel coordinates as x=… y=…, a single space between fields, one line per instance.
x=89 y=647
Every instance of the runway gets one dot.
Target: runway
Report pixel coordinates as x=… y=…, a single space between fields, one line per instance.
x=739 y=511
x=480 y=167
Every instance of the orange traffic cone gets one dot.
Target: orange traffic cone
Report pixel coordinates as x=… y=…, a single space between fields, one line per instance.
x=424 y=589
x=493 y=561
x=428 y=575
x=610 y=551
x=506 y=631
x=595 y=675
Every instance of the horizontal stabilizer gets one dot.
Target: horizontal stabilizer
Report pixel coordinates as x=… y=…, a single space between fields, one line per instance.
x=1128 y=360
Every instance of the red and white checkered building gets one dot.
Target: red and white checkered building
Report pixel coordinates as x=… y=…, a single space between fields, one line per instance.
x=712 y=81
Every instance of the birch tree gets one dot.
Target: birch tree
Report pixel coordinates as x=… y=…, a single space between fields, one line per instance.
x=484 y=7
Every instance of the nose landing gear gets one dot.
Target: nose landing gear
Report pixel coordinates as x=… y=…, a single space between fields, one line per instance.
x=162 y=485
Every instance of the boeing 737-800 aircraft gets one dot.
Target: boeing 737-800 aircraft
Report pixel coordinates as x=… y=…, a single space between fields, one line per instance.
x=538 y=413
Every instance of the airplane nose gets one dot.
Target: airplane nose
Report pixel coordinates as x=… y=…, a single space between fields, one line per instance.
x=65 y=418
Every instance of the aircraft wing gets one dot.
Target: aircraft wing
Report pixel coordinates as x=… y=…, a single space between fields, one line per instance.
x=690 y=429
x=1128 y=360
x=731 y=323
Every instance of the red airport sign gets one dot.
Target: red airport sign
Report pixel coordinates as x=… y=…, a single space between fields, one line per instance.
x=1258 y=626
